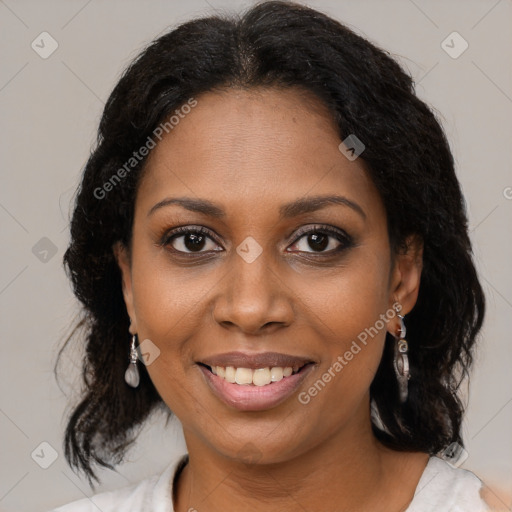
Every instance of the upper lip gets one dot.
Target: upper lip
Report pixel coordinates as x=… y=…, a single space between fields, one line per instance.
x=254 y=361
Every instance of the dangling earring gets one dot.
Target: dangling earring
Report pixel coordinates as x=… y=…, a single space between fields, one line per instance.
x=401 y=361
x=131 y=376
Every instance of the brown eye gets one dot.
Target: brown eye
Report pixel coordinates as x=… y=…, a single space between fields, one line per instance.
x=190 y=240
x=322 y=240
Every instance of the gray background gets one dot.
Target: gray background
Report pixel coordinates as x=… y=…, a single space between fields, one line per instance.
x=50 y=111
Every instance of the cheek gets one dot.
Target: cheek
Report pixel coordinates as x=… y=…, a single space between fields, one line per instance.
x=169 y=303
x=167 y=297
x=348 y=299
x=347 y=312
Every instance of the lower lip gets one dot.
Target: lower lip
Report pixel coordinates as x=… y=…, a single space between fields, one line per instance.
x=255 y=398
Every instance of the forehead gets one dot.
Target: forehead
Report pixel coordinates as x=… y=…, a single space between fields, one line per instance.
x=249 y=148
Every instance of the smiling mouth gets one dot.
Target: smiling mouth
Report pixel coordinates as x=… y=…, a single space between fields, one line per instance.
x=254 y=377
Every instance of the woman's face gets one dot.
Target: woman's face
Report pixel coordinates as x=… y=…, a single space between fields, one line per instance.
x=279 y=278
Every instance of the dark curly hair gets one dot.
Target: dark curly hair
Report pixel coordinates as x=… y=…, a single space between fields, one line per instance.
x=279 y=44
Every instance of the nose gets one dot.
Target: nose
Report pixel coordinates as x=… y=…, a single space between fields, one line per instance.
x=253 y=298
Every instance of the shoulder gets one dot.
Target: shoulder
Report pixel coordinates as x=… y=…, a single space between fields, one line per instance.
x=154 y=494
x=443 y=487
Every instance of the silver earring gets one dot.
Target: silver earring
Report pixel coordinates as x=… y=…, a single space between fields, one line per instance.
x=131 y=376
x=401 y=362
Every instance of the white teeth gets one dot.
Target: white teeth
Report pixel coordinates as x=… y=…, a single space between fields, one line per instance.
x=276 y=374
x=230 y=374
x=243 y=376
x=258 y=377
x=261 y=377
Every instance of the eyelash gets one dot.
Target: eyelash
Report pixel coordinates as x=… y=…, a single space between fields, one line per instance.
x=345 y=240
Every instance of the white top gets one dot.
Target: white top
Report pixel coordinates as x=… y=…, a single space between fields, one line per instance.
x=441 y=488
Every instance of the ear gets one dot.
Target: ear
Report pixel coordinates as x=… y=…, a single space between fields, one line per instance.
x=406 y=275
x=122 y=257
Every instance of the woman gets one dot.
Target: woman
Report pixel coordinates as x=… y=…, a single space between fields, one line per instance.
x=270 y=241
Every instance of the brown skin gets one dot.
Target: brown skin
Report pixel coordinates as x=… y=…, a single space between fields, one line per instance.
x=250 y=152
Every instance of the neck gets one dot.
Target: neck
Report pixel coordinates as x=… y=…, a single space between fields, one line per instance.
x=349 y=470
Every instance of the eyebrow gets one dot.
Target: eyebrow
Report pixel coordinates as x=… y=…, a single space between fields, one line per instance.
x=288 y=210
